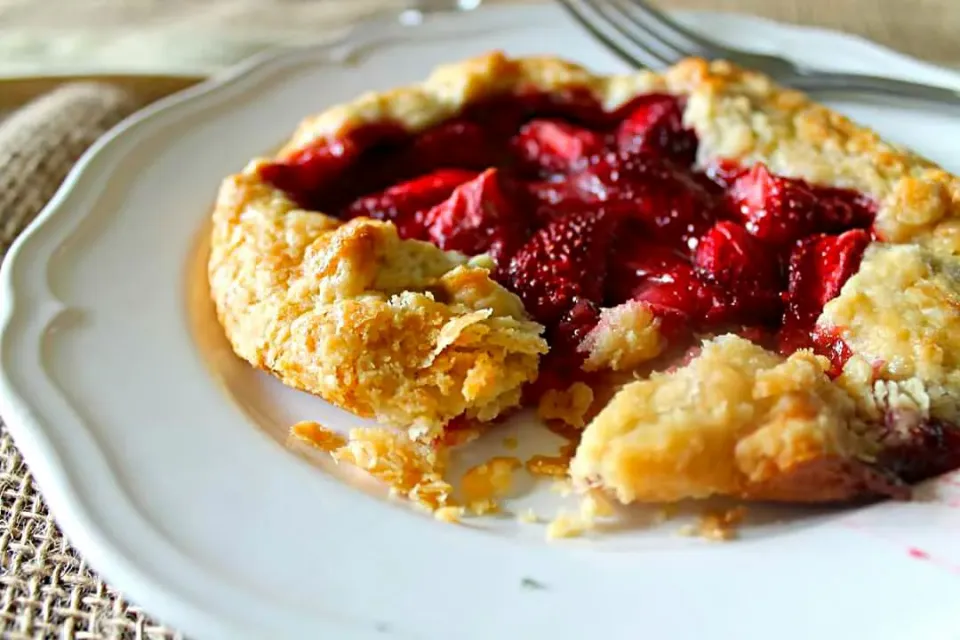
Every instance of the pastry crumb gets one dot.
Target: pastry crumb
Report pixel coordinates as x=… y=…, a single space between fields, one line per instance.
x=566 y=525
x=486 y=482
x=595 y=505
x=461 y=436
x=571 y=525
x=723 y=525
x=317 y=435
x=548 y=466
x=570 y=405
x=510 y=443
x=484 y=507
x=716 y=526
x=449 y=514
x=411 y=469
x=552 y=466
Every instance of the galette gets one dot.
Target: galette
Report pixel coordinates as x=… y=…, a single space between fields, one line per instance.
x=721 y=286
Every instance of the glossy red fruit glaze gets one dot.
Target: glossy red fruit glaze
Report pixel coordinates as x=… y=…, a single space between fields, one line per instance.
x=458 y=143
x=594 y=207
x=635 y=261
x=781 y=210
x=675 y=208
x=829 y=344
x=550 y=146
x=819 y=267
x=824 y=342
x=579 y=320
x=406 y=203
x=678 y=297
x=723 y=173
x=478 y=217
x=563 y=262
x=561 y=367
x=774 y=209
x=328 y=173
x=656 y=126
x=842 y=209
x=746 y=271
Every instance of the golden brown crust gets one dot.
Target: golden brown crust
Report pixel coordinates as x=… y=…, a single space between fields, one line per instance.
x=737 y=420
x=406 y=333
x=900 y=314
x=392 y=329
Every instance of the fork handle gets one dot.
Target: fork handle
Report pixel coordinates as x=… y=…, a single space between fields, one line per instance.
x=826 y=81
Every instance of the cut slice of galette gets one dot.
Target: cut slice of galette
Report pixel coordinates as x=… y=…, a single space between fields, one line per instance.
x=731 y=289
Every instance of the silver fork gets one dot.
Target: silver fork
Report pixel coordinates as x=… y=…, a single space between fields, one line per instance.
x=646 y=37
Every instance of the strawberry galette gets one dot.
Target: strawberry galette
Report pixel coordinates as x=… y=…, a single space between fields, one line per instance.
x=730 y=289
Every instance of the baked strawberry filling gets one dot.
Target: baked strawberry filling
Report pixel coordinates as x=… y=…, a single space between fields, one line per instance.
x=686 y=292
x=583 y=209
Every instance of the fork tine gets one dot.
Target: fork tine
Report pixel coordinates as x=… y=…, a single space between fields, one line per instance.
x=598 y=25
x=672 y=31
x=638 y=31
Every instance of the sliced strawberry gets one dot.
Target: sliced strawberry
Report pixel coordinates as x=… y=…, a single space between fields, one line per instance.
x=830 y=345
x=819 y=267
x=562 y=262
x=327 y=174
x=552 y=146
x=311 y=169
x=676 y=297
x=573 y=327
x=674 y=206
x=405 y=204
x=775 y=209
x=656 y=127
x=842 y=209
x=634 y=262
x=456 y=143
x=478 y=217
x=562 y=366
x=747 y=273
x=724 y=173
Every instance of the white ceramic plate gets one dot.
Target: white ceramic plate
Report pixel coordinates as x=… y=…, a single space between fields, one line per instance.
x=164 y=458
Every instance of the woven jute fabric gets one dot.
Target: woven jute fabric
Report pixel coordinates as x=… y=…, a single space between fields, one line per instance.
x=48 y=591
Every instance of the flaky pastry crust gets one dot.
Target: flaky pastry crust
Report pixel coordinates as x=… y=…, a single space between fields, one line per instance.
x=737 y=420
x=393 y=329
x=408 y=334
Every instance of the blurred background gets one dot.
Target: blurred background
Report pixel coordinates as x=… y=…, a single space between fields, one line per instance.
x=191 y=36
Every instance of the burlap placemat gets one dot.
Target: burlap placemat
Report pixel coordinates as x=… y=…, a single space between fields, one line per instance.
x=48 y=590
